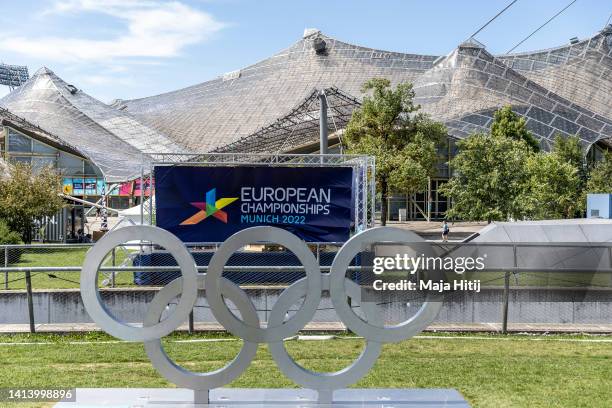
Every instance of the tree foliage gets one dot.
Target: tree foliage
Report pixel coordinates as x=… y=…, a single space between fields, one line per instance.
x=501 y=175
x=508 y=124
x=570 y=151
x=26 y=195
x=600 y=179
x=553 y=189
x=389 y=127
x=490 y=178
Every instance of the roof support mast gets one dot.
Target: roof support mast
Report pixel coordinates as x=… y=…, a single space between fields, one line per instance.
x=323 y=123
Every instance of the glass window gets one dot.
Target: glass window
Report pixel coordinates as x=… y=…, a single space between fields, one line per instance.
x=90 y=170
x=20 y=159
x=70 y=165
x=43 y=148
x=19 y=143
x=39 y=163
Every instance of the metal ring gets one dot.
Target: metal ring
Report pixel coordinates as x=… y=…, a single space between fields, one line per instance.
x=271 y=333
x=179 y=375
x=93 y=301
x=417 y=323
x=317 y=380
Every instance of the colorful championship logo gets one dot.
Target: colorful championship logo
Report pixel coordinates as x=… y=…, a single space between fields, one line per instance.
x=212 y=206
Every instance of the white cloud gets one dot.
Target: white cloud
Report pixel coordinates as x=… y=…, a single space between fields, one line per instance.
x=153 y=29
x=104 y=80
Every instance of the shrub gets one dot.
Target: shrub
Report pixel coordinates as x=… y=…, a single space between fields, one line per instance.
x=27 y=195
x=8 y=237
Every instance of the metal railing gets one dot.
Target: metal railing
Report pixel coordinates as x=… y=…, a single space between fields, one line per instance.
x=28 y=269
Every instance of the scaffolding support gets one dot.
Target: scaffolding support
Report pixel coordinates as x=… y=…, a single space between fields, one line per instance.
x=300 y=127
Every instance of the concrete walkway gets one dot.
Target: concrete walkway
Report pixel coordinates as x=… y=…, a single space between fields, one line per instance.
x=433 y=230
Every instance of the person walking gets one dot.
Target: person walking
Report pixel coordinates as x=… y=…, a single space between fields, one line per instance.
x=445 y=231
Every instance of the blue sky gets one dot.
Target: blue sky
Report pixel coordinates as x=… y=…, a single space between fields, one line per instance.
x=134 y=48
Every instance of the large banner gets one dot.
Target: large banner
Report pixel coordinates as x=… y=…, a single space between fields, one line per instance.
x=208 y=204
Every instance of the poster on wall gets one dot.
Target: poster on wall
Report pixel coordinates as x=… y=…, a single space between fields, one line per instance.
x=209 y=204
x=132 y=188
x=90 y=186
x=79 y=186
x=67 y=187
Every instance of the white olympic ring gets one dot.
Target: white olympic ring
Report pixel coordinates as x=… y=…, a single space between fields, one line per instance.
x=405 y=330
x=94 y=304
x=315 y=380
x=274 y=332
x=200 y=381
x=248 y=326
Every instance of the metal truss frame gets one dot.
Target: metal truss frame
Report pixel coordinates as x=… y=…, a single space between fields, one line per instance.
x=364 y=168
x=299 y=127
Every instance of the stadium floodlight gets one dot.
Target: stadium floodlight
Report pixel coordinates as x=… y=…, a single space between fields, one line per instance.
x=13 y=75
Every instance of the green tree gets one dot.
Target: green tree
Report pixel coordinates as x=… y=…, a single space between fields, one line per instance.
x=26 y=195
x=509 y=124
x=600 y=178
x=490 y=178
x=554 y=187
x=389 y=127
x=570 y=151
x=503 y=175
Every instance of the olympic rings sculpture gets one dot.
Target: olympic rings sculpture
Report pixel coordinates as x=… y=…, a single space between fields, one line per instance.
x=248 y=326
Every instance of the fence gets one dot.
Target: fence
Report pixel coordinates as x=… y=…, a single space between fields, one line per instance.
x=545 y=284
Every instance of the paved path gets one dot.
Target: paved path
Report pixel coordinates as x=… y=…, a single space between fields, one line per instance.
x=433 y=230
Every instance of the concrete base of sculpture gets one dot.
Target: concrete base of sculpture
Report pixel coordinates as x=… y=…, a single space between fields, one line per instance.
x=260 y=397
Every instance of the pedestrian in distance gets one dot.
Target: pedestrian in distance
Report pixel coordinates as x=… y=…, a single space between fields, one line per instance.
x=445 y=231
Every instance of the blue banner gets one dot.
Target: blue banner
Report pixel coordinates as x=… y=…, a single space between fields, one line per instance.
x=209 y=204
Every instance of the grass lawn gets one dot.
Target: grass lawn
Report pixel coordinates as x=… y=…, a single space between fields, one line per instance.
x=489 y=370
x=59 y=257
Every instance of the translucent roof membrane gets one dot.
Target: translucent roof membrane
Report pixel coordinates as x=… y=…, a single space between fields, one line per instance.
x=273 y=105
